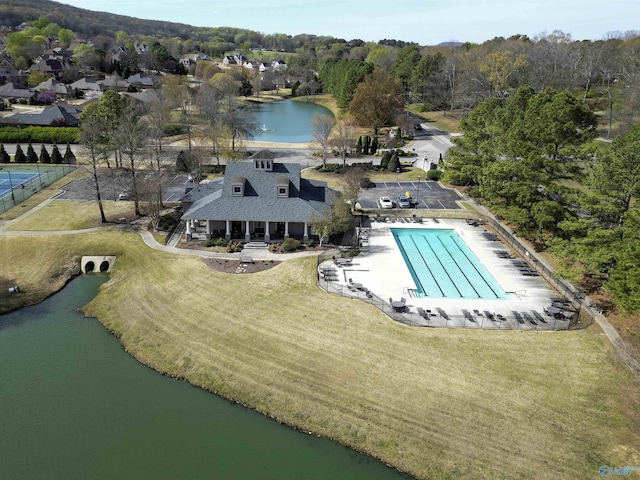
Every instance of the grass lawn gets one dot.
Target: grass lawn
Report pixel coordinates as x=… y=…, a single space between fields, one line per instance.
x=71 y=215
x=434 y=402
x=42 y=195
x=441 y=120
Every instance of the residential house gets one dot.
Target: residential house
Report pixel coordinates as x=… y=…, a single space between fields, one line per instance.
x=53 y=85
x=140 y=80
x=50 y=66
x=11 y=90
x=258 y=199
x=236 y=60
x=54 y=115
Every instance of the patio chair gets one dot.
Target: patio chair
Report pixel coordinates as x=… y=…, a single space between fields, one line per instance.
x=501 y=317
x=477 y=312
x=538 y=317
x=489 y=315
x=442 y=313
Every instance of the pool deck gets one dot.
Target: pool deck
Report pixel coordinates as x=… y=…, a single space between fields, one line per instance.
x=381 y=269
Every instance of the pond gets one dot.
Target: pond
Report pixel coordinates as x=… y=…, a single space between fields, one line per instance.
x=285 y=121
x=74 y=405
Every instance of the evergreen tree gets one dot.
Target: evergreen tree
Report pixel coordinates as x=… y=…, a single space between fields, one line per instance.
x=19 y=157
x=386 y=157
x=374 y=146
x=365 y=145
x=4 y=156
x=44 y=155
x=69 y=156
x=56 y=157
x=394 y=163
x=32 y=156
x=359 y=146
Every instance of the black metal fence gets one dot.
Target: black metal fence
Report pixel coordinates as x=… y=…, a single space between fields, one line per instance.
x=415 y=316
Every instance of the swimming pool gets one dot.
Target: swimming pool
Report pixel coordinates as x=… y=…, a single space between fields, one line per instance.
x=443 y=266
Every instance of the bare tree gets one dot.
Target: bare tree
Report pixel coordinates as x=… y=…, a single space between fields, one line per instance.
x=130 y=136
x=150 y=194
x=92 y=137
x=353 y=180
x=321 y=126
x=157 y=117
x=343 y=136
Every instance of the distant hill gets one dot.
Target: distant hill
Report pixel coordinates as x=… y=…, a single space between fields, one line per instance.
x=450 y=44
x=86 y=23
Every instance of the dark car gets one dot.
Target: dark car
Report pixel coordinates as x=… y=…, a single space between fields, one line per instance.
x=417 y=126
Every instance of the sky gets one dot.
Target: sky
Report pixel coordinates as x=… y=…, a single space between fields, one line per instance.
x=426 y=22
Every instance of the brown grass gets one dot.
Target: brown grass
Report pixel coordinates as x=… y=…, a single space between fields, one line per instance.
x=436 y=403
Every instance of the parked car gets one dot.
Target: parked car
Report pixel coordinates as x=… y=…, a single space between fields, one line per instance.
x=404 y=201
x=385 y=202
x=417 y=126
x=123 y=196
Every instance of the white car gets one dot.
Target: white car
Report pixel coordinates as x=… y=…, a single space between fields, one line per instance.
x=385 y=202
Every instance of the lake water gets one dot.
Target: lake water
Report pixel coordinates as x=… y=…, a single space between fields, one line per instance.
x=74 y=405
x=285 y=121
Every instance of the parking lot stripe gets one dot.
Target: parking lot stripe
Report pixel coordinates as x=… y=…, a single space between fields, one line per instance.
x=442 y=204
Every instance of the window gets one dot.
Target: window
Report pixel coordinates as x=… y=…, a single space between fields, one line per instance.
x=237 y=190
x=283 y=191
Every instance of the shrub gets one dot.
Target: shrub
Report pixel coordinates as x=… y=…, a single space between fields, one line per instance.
x=69 y=156
x=32 y=156
x=44 y=155
x=374 y=146
x=394 y=163
x=309 y=243
x=173 y=129
x=290 y=245
x=434 y=174
x=11 y=134
x=4 y=156
x=386 y=157
x=19 y=157
x=56 y=157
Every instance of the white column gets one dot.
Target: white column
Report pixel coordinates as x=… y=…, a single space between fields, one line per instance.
x=305 y=237
x=227 y=233
x=208 y=229
x=267 y=234
x=247 y=232
x=188 y=229
x=286 y=229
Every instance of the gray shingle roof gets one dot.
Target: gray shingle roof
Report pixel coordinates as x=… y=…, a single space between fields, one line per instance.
x=260 y=201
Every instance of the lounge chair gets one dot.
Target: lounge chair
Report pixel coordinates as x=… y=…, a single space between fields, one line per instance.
x=477 y=312
x=442 y=313
x=518 y=317
x=424 y=313
x=538 y=317
x=501 y=317
x=468 y=316
x=529 y=318
x=489 y=315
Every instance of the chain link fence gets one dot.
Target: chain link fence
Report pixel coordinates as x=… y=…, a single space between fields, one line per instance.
x=21 y=190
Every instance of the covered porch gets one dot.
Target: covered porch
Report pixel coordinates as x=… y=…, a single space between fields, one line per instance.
x=246 y=230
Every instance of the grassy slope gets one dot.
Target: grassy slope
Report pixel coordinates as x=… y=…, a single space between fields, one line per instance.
x=71 y=215
x=433 y=402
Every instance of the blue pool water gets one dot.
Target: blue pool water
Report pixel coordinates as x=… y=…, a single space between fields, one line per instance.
x=443 y=266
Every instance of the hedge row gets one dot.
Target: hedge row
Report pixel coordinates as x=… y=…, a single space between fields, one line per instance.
x=59 y=135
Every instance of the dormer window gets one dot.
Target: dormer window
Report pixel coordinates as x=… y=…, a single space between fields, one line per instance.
x=264 y=165
x=237 y=186
x=283 y=187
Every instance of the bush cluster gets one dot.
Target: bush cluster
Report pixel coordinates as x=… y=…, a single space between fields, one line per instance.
x=173 y=129
x=61 y=135
x=233 y=247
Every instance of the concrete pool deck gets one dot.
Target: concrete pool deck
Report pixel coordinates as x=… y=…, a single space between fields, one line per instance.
x=381 y=269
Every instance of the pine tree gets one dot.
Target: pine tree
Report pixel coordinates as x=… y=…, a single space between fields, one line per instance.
x=56 y=157
x=4 y=156
x=394 y=163
x=359 y=146
x=69 y=156
x=365 y=145
x=44 y=155
x=19 y=157
x=374 y=146
x=384 y=162
x=32 y=156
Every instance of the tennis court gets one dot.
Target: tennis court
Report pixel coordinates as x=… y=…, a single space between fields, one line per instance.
x=19 y=182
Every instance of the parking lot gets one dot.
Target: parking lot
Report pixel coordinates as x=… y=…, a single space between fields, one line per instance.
x=430 y=195
x=114 y=183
